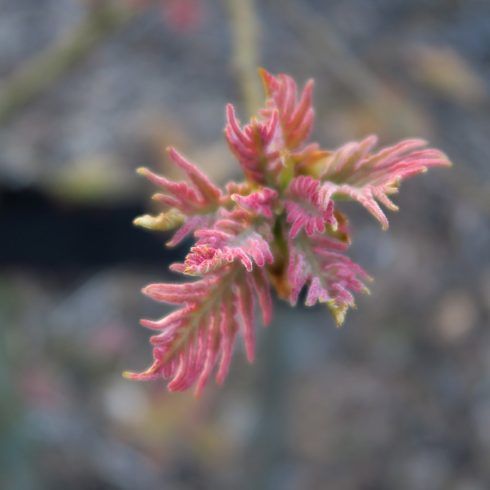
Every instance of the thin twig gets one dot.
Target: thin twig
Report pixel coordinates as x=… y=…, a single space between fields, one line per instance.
x=333 y=55
x=38 y=75
x=245 y=52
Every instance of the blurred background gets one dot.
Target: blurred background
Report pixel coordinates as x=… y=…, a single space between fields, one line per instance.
x=89 y=90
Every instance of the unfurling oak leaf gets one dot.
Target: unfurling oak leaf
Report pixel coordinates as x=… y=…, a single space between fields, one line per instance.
x=296 y=113
x=230 y=239
x=305 y=208
x=354 y=171
x=280 y=227
x=252 y=145
x=260 y=202
x=192 y=204
x=318 y=262
x=201 y=334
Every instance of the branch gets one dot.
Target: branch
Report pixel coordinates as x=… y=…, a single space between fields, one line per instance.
x=245 y=52
x=38 y=74
x=320 y=37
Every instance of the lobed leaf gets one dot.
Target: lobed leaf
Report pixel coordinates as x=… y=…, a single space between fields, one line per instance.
x=192 y=205
x=296 y=113
x=260 y=202
x=353 y=171
x=317 y=262
x=201 y=334
x=228 y=240
x=252 y=144
x=305 y=209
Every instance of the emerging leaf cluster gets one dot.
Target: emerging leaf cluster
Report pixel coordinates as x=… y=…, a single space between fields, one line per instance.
x=279 y=229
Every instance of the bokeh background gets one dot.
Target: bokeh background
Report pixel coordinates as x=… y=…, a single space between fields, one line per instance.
x=397 y=399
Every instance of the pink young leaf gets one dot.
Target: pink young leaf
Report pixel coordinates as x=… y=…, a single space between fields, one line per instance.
x=192 y=205
x=228 y=240
x=304 y=208
x=296 y=113
x=201 y=334
x=208 y=190
x=189 y=198
x=329 y=275
x=260 y=202
x=353 y=171
x=191 y=224
x=252 y=144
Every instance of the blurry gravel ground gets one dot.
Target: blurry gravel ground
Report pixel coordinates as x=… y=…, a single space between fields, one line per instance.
x=398 y=399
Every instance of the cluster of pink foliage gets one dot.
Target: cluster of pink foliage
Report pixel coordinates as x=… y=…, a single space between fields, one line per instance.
x=280 y=228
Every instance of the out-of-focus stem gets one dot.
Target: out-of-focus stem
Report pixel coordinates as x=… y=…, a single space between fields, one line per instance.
x=245 y=51
x=37 y=75
x=333 y=54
